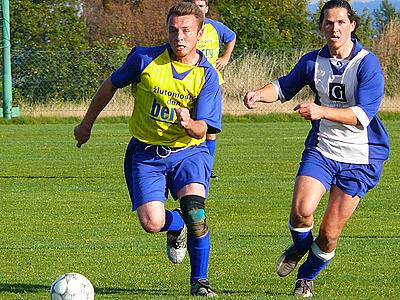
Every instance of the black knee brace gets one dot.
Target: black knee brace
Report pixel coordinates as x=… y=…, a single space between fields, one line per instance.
x=194 y=214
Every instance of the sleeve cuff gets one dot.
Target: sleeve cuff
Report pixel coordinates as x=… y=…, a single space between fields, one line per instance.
x=277 y=87
x=361 y=115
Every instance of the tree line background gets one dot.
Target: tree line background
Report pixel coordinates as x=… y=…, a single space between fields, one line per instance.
x=87 y=24
x=55 y=41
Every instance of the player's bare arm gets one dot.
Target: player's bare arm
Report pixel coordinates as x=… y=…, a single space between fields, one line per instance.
x=312 y=111
x=100 y=100
x=266 y=94
x=194 y=128
x=221 y=62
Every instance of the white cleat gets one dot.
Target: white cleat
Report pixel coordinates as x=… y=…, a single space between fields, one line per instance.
x=202 y=288
x=176 y=245
x=288 y=261
x=304 y=288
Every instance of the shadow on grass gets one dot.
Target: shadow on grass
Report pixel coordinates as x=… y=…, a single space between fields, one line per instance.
x=22 y=288
x=47 y=177
x=274 y=235
x=135 y=291
x=362 y=237
x=251 y=293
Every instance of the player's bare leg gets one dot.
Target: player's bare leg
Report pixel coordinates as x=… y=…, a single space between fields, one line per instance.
x=340 y=208
x=306 y=197
x=152 y=217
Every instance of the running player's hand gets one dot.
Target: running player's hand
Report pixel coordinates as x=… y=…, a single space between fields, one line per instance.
x=183 y=117
x=310 y=111
x=250 y=100
x=220 y=63
x=82 y=134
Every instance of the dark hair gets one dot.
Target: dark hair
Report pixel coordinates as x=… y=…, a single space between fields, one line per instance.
x=352 y=15
x=206 y=1
x=185 y=9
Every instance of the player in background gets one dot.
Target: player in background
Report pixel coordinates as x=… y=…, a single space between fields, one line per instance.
x=346 y=146
x=177 y=101
x=215 y=35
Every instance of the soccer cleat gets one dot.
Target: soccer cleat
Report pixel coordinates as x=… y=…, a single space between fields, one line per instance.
x=202 y=288
x=303 y=288
x=214 y=175
x=176 y=244
x=288 y=261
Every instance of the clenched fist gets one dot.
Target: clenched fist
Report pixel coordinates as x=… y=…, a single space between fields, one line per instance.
x=82 y=134
x=183 y=116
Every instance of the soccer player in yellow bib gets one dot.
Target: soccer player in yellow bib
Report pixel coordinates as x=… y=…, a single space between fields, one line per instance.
x=215 y=34
x=177 y=101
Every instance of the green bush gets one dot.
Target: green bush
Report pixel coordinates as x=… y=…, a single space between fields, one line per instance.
x=40 y=76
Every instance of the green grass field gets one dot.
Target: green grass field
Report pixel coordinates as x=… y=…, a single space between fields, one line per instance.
x=65 y=209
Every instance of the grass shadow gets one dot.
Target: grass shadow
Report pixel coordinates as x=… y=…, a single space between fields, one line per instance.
x=23 y=288
x=135 y=291
x=47 y=177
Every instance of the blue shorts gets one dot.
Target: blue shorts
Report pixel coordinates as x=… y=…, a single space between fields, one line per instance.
x=352 y=179
x=153 y=171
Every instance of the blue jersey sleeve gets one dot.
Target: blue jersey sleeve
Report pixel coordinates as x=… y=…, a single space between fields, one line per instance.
x=209 y=102
x=370 y=85
x=301 y=75
x=129 y=72
x=225 y=34
x=135 y=63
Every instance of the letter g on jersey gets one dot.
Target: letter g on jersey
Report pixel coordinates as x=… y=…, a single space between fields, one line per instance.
x=337 y=92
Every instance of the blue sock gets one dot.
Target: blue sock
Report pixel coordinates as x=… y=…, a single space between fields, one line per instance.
x=211 y=144
x=199 y=252
x=302 y=237
x=173 y=221
x=316 y=261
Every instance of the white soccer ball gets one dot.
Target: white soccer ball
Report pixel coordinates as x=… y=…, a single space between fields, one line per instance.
x=71 y=286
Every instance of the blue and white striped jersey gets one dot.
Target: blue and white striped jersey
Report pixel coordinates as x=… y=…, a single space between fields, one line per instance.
x=358 y=84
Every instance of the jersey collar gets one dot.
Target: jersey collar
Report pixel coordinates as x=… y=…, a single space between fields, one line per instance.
x=324 y=52
x=207 y=20
x=203 y=60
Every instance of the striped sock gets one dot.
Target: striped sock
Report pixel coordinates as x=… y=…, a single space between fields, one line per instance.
x=317 y=260
x=302 y=237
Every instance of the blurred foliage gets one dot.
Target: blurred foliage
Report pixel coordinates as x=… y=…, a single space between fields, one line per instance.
x=387 y=48
x=266 y=25
x=63 y=75
x=43 y=75
x=47 y=25
x=366 y=32
x=51 y=56
x=63 y=49
x=143 y=21
x=386 y=13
